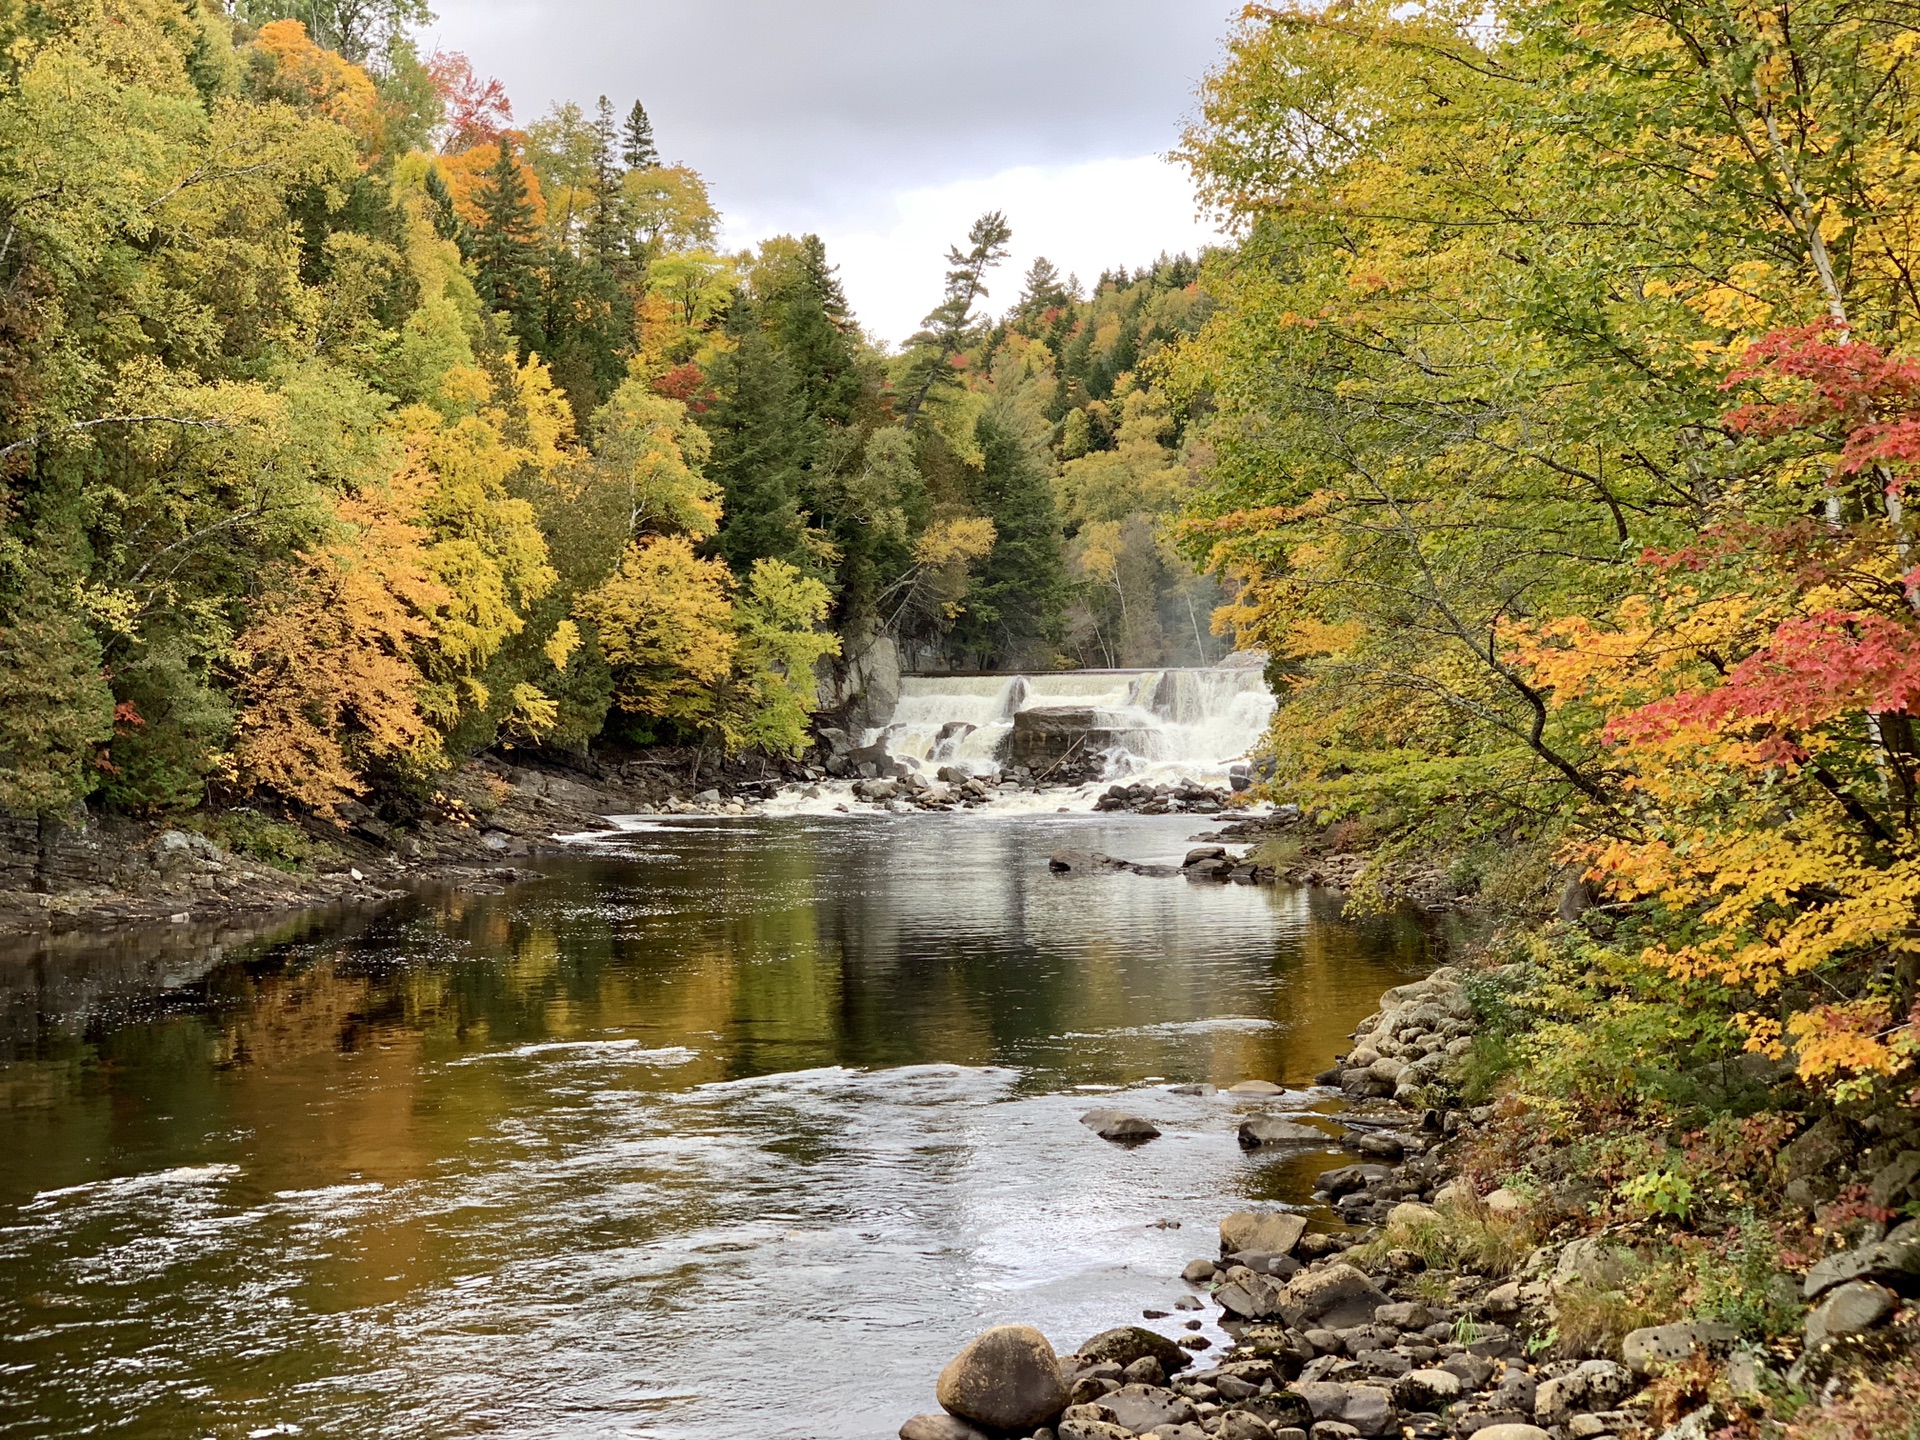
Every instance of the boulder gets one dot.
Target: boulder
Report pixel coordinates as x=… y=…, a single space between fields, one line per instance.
x=1249 y=1295
x=1129 y=1343
x=1119 y=1126
x=1592 y=1385
x=1256 y=1087
x=1510 y=1432
x=1596 y=1263
x=1005 y=1379
x=1656 y=1347
x=1411 y=1214
x=1270 y=1232
x=1141 y=1408
x=1272 y=1130
x=1085 y=1423
x=1849 y=1309
x=1893 y=1184
x=1239 y=1425
x=1280 y=1410
x=1404 y=1315
x=1369 y=1409
x=1204 y=852
x=1324 y=1398
x=1198 y=1272
x=1335 y=1297
x=939 y=1427
x=1427 y=1390
x=1893 y=1262
x=1503 y=1204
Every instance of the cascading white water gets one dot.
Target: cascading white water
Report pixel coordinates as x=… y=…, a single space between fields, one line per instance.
x=1168 y=724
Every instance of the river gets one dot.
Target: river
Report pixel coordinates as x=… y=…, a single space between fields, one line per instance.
x=723 y=1129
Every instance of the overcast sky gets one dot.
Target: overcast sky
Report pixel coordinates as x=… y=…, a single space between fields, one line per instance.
x=887 y=125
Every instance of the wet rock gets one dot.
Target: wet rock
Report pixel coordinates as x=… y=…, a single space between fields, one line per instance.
x=1198 y=1272
x=1335 y=1297
x=1141 y=1408
x=1147 y=1370
x=1204 y=852
x=1005 y=1379
x=1256 y=1087
x=1128 y=1343
x=1349 y=1178
x=1655 y=1347
x=939 y=1427
x=1120 y=1126
x=1271 y=1232
x=1272 y=1130
x=1849 y=1309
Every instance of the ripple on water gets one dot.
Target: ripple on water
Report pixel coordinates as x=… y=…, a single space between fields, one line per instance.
x=740 y=1131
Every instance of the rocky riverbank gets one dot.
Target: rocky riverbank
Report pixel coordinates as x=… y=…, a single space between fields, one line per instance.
x=1441 y=1306
x=92 y=872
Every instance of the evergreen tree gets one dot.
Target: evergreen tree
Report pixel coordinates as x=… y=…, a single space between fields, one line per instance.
x=1043 y=290
x=946 y=330
x=605 y=230
x=506 y=247
x=637 y=148
x=1015 y=603
x=805 y=312
x=762 y=444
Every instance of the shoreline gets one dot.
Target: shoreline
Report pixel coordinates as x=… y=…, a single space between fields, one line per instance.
x=1449 y=1310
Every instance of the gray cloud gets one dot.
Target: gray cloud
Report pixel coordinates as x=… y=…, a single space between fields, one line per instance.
x=824 y=106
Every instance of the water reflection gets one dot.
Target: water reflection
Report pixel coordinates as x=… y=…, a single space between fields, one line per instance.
x=726 y=1129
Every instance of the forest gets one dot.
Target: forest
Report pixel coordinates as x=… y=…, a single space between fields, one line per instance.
x=351 y=428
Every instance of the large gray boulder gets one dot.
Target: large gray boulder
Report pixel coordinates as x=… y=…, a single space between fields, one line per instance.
x=1272 y=1130
x=1141 y=1408
x=1005 y=1379
x=1893 y=1262
x=1264 y=1232
x=1655 y=1347
x=1335 y=1297
x=1849 y=1309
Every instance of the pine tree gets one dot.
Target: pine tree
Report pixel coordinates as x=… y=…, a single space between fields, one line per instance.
x=761 y=446
x=1015 y=602
x=947 y=328
x=1043 y=290
x=805 y=312
x=506 y=247
x=637 y=147
x=604 y=222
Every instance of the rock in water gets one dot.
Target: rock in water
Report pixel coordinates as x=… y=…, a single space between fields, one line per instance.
x=1256 y=1087
x=1266 y=1232
x=1005 y=1379
x=1272 y=1130
x=1119 y=1126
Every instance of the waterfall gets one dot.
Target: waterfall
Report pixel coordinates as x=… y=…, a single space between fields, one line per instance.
x=1161 y=724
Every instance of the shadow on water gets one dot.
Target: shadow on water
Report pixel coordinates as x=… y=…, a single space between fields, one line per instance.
x=721 y=1128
